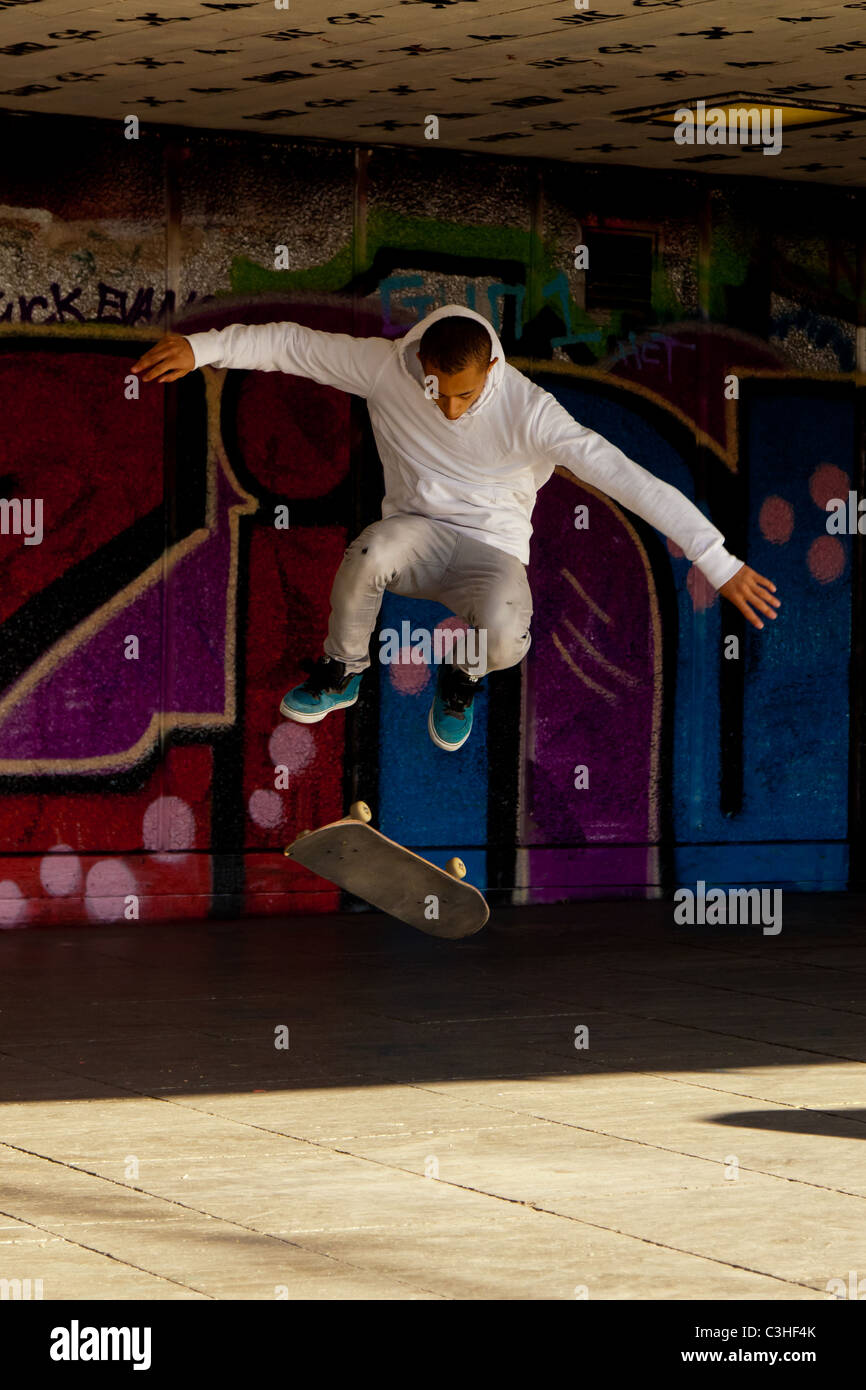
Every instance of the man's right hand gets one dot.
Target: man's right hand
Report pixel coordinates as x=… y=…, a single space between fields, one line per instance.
x=171 y=358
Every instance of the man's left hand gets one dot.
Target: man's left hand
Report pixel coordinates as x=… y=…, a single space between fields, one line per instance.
x=748 y=587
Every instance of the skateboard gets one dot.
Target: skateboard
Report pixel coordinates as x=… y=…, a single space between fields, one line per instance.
x=356 y=857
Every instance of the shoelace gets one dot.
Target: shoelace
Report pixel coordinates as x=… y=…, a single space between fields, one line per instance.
x=457 y=695
x=321 y=675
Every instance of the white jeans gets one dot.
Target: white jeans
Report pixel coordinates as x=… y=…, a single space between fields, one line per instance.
x=419 y=558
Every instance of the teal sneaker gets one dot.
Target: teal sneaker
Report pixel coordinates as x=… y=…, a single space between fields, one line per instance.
x=326 y=688
x=449 y=722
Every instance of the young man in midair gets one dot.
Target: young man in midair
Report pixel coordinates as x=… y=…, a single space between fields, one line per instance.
x=465 y=442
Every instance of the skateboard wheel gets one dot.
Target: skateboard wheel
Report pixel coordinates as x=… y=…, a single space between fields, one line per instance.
x=456 y=868
x=359 y=810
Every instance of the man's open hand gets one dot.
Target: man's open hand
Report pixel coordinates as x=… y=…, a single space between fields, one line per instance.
x=747 y=588
x=171 y=358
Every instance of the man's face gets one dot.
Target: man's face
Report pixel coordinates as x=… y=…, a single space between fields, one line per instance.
x=457 y=390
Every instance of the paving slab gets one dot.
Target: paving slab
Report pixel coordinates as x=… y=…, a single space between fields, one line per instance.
x=431 y=1131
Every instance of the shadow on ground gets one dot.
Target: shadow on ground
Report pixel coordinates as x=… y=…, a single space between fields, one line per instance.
x=362 y=1001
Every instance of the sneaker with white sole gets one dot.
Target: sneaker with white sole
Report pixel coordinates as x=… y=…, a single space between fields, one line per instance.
x=449 y=722
x=326 y=688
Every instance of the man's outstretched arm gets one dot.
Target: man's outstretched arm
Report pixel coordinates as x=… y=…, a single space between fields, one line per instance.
x=332 y=359
x=594 y=460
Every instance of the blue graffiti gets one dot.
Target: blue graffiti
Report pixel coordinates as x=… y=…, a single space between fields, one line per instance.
x=557 y=288
x=497 y=292
x=395 y=284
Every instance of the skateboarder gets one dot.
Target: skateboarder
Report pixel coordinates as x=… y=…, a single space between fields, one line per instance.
x=465 y=442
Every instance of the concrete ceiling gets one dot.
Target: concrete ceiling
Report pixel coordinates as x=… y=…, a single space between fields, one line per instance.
x=540 y=79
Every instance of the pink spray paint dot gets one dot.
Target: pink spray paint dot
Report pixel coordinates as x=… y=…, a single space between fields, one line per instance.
x=292 y=745
x=776 y=520
x=13 y=908
x=701 y=591
x=168 y=828
x=826 y=559
x=828 y=481
x=60 y=871
x=109 y=883
x=410 y=674
x=266 y=809
x=452 y=624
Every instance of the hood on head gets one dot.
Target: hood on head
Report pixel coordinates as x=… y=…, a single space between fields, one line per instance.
x=409 y=347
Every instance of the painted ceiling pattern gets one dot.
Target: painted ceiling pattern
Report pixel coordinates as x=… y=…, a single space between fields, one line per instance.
x=540 y=79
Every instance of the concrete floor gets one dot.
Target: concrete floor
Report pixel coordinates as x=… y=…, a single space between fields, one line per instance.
x=431 y=1130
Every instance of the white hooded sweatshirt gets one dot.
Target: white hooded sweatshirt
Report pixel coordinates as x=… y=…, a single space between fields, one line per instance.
x=479 y=473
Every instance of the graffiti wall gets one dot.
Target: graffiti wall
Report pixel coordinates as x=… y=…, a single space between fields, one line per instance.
x=167 y=552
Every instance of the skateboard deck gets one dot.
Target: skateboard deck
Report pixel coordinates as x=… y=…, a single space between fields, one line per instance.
x=365 y=862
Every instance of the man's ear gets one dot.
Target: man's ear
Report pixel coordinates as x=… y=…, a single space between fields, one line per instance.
x=492 y=363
